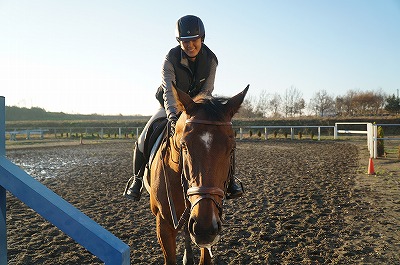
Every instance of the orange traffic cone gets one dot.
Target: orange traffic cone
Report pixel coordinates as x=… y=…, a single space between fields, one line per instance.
x=371 y=170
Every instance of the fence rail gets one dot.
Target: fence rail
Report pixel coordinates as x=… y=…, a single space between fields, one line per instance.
x=70 y=132
x=292 y=129
x=85 y=231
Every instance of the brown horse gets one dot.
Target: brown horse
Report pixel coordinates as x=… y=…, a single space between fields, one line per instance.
x=189 y=174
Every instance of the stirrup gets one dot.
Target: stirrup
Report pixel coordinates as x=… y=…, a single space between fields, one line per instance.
x=237 y=187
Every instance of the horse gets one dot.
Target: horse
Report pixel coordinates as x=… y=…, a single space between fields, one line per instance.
x=188 y=177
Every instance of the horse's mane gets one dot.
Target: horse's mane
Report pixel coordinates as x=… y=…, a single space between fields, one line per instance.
x=212 y=106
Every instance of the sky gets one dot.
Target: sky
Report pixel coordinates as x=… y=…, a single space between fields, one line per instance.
x=105 y=57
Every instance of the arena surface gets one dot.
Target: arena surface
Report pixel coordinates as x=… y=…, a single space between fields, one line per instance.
x=306 y=202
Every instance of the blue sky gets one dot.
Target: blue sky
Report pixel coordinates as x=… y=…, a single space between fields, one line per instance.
x=105 y=57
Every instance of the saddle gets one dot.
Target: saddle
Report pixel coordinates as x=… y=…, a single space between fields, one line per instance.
x=154 y=138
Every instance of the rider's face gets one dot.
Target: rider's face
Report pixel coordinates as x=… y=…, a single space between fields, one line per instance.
x=191 y=47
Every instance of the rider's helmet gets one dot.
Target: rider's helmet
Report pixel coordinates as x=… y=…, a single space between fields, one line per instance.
x=189 y=28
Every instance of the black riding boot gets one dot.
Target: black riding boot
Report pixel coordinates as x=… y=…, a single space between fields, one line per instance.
x=134 y=186
x=235 y=188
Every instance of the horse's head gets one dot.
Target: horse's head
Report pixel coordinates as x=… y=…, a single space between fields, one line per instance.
x=204 y=132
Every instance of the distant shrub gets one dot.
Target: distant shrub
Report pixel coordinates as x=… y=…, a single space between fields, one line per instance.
x=259 y=134
x=380 y=142
x=275 y=134
x=300 y=135
x=398 y=153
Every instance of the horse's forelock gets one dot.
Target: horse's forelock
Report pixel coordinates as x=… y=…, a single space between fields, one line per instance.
x=213 y=107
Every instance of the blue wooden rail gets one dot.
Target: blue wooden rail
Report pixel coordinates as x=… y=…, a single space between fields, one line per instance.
x=85 y=231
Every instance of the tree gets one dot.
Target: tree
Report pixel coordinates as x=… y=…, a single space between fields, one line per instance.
x=299 y=106
x=322 y=103
x=293 y=102
x=275 y=105
x=348 y=102
x=262 y=106
x=247 y=109
x=339 y=106
x=393 y=104
x=369 y=102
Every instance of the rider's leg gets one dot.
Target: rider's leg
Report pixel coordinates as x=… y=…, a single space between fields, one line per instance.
x=235 y=188
x=134 y=187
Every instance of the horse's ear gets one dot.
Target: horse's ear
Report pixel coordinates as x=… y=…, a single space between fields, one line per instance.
x=234 y=102
x=183 y=100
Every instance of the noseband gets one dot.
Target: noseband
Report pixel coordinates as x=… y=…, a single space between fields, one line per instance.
x=202 y=192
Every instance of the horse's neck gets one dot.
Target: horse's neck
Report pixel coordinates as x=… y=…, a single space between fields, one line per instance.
x=174 y=153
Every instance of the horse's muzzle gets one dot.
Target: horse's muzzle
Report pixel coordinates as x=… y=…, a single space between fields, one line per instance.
x=205 y=224
x=204 y=234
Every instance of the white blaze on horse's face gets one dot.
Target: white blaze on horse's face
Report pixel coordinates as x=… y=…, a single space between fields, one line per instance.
x=207 y=138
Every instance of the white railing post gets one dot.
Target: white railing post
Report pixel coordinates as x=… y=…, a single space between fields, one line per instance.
x=370 y=138
x=319 y=133
x=266 y=133
x=3 y=224
x=335 y=132
x=374 y=137
x=241 y=133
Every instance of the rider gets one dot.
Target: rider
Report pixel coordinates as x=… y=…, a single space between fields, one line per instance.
x=192 y=66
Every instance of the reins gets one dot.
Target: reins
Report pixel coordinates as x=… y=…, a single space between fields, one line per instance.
x=202 y=192
x=185 y=215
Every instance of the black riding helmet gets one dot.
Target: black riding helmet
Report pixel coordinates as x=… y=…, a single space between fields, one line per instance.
x=189 y=28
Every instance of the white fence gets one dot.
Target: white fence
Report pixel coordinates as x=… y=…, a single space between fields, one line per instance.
x=368 y=131
x=375 y=137
x=371 y=131
x=292 y=130
x=340 y=128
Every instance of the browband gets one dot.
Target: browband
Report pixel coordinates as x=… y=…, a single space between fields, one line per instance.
x=219 y=123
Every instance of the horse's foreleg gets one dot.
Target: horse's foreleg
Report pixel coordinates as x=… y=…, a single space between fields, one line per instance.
x=188 y=258
x=167 y=238
x=205 y=257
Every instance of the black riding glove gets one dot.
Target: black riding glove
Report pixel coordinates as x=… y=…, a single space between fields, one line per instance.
x=172 y=124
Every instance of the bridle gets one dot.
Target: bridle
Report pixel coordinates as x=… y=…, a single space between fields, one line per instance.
x=202 y=192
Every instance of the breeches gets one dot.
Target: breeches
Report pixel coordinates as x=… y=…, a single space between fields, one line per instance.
x=159 y=114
